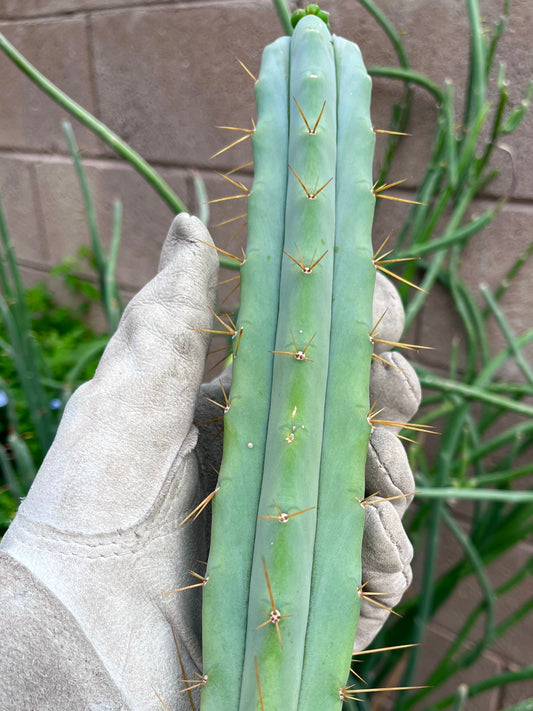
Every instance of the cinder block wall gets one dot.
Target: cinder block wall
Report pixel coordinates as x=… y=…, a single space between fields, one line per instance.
x=163 y=75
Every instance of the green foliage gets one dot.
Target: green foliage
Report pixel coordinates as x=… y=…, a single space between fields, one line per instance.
x=47 y=350
x=482 y=453
x=68 y=352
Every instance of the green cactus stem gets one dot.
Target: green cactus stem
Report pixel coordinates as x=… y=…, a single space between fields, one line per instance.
x=281 y=599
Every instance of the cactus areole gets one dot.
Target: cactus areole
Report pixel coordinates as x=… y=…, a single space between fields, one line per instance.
x=281 y=603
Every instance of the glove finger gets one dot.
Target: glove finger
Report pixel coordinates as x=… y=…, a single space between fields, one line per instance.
x=394 y=387
x=388 y=307
x=387 y=469
x=386 y=558
x=133 y=419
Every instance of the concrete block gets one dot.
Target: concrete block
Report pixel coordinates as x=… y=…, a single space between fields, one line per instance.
x=146 y=218
x=441 y=328
x=435 y=645
x=515 y=693
x=515 y=646
x=488 y=258
x=22 y=209
x=515 y=51
x=30 y=120
x=36 y=8
x=445 y=57
x=166 y=76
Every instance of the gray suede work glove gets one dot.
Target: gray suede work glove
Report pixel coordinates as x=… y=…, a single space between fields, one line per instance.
x=85 y=621
x=386 y=551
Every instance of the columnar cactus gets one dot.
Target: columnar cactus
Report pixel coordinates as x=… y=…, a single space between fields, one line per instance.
x=281 y=599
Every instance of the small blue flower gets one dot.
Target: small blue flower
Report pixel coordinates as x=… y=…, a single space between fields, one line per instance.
x=3 y=398
x=55 y=403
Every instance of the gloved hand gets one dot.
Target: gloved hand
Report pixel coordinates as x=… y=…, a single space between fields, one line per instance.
x=85 y=621
x=386 y=550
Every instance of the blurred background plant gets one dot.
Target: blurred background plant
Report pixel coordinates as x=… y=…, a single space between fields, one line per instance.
x=473 y=481
x=47 y=349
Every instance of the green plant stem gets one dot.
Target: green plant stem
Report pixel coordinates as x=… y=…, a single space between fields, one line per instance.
x=497 y=477
x=432 y=274
x=448 y=121
x=489 y=601
x=526 y=705
x=522 y=430
x=100 y=129
x=430 y=277
x=446 y=667
x=112 y=298
x=433 y=179
x=513 y=271
x=92 y=222
x=389 y=29
x=477 y=84
x=284 y=15
x=471 y=392
x=451 y=492
x=460 y=698
x=202 y=200
x=506 y=330
x=499 y=359
x=471 y=655
x=401 y=110
x=478 y=567
x=494 y=681
x=496 y=36
x=105 y=264
x=409 y=76
x=26 y=357
x=426 y=601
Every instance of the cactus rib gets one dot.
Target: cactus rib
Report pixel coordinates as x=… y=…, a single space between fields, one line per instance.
x=235 y=508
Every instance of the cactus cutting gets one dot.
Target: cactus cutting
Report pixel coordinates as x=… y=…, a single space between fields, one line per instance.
x=284 y=587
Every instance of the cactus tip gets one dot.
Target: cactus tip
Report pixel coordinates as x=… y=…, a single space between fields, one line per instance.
x=312 y=9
